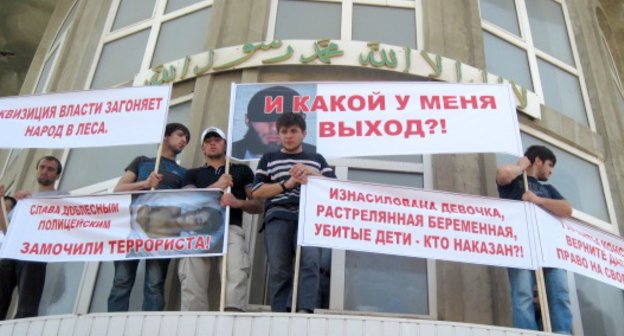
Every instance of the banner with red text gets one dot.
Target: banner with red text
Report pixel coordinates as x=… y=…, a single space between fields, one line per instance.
x=581 y=249
x=93 y=118
x=159 y=224
x=377 y=118
x=418 y=223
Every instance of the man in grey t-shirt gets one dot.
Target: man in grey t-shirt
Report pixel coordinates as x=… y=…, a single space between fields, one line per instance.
x=28 y=276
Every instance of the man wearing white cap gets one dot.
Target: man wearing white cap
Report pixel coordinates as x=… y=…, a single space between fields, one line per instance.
x=194 y=272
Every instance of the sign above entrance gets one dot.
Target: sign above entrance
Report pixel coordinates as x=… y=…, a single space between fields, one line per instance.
x=327 y=53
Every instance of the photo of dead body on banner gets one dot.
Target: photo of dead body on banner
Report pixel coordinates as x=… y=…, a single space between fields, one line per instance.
x=154 y=224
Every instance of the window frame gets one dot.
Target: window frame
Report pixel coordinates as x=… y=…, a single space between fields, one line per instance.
x=153 y=24
x=525 y=42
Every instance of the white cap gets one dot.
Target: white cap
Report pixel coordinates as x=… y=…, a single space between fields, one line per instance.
x=214 y=130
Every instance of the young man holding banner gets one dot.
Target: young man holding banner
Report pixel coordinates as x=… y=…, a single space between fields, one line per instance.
x=278 y=179
x=194 y=272
x=538 y=162
x=28 y=276
x=141 y=175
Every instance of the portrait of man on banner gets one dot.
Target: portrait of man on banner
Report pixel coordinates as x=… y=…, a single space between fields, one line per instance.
x=256 y=108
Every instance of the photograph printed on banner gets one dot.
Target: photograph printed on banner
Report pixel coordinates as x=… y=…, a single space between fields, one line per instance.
x=173 y=214
x=256 y=108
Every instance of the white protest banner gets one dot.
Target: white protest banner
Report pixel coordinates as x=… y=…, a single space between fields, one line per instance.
x=377 y=118
x=157 y=224
x=418 y=223
x=579 y=248
x=85 y=118
x=411 y=118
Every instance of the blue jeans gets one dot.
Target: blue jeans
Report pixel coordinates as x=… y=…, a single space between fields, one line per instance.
x=153 y=290
x=280 y=241
x=523 y=309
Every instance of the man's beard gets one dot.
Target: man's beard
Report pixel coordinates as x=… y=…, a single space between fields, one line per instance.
x=216 y=156
x=45 y=182
x=255 y=144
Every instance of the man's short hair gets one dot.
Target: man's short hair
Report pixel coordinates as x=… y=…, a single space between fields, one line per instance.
x=12 y=200
x=59 y=166
x=256 y=107
x=291 y=119
x=172 y=127
x=541 y=152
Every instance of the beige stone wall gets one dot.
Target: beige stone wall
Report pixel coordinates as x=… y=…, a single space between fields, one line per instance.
x=466 y=293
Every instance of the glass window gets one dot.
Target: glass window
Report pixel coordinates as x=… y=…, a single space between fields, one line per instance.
x=548 y=29
x=15 y=152
x=387 y=177
x=557 y=84
x=576 y=179
x=601 y=305
x=111 y=161
x=171 y=47
x=45 y=74
x=125 y=52
x=173 y=5
x=500 y=54
x=120 y=60
x=132 y=11
x=501 y=13
x=392 y=284
x=62 y=284
x=11 y=156
x=399 y=25
x=307 y=20
x=394 y=158
x=562 y=91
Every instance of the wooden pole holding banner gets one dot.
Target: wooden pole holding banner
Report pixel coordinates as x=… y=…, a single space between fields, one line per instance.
x=157 y=163
x=225 y=241
x=295 y=290
x=5 y=218
x=541 y=283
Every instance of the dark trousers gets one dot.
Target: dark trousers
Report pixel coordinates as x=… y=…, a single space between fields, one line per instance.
x=29 y=277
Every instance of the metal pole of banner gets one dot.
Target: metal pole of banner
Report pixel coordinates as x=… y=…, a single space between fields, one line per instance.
x=225 y=255
x=295 y=290
x=541 y=284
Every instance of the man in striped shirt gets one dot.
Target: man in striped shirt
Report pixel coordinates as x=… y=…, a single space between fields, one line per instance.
x=278 y=179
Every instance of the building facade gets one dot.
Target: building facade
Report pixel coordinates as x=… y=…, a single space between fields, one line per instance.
x=562 y=57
